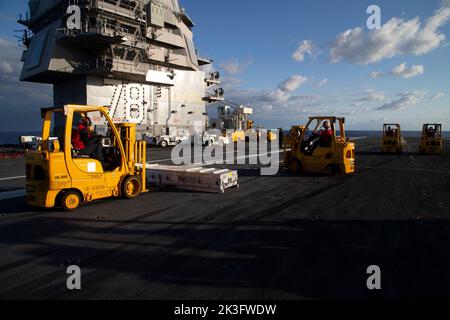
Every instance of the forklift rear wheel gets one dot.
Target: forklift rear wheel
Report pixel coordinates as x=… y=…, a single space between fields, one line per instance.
x=294 y=166
x=70 y=201
x=131 y=187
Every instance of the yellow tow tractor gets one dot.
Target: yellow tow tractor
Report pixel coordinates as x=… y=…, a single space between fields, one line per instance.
x=392 y=139
x=237 y=136
x=59 y=175
x=308 y=153
x=431 y=142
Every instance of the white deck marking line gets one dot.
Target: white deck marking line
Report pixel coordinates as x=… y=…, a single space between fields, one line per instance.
x=12 y=178
x=357 y=138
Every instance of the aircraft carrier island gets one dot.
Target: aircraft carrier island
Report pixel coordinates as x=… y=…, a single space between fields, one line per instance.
x=346 y=216
x=136 y=57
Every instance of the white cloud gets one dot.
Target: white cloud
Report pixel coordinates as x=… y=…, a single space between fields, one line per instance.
x=6 y=68
x=279 y=104
x=396 y=37
x=234 y=66
x=307 y=47
x=376 y=74
x=371 y=96
x=292 y=83
x=403 y=71
x=286 y=88
x=437 y=96
x=322 y=83
x=230 y=82
x=404 y=101
x=268 y=107
x=10 y=60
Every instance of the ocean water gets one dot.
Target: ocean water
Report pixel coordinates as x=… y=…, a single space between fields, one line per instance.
x=12 y=137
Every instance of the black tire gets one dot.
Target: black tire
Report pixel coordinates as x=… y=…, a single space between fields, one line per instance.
x=131 y=187
x=294 y=166
x=70 y=201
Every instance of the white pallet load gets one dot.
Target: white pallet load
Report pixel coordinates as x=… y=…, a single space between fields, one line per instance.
x=192 y=178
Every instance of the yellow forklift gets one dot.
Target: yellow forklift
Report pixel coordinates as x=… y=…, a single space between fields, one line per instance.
x=309 y=154
x=431 y=142
x=58 y=175
x=392 y=139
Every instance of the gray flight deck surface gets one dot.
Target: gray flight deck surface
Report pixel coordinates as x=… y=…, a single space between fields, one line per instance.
x=281 y=237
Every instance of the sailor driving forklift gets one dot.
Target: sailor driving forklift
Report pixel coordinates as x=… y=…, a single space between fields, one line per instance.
x=85 y=142
x=322 y=139
x=431 y=132
x=327 y=150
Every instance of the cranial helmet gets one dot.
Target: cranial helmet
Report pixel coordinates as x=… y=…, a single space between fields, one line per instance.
x=86 y=121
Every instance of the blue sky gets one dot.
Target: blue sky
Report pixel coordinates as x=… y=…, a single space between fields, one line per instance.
x=261 y=36
x=253 y=42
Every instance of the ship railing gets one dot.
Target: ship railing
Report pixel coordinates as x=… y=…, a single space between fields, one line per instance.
x=96 y=64
x=117 y=5
x=122 y=66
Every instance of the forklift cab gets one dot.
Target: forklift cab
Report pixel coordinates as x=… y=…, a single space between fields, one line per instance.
x=60 y=174
x=101 y=145
x=311 y=143
x=431 y=141
x=392 y=139
x=313 y=152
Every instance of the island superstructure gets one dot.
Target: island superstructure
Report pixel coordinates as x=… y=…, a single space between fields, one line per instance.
x=136 y=57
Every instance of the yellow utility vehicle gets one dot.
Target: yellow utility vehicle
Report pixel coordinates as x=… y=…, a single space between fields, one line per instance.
x=271 y=136
x=431 y=142
x=316 y=151
x=59 y=175
x=293 y=138
x=237 y=136
x=392 y=139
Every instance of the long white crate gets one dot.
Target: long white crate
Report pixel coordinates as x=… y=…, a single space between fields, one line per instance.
x=192 y=178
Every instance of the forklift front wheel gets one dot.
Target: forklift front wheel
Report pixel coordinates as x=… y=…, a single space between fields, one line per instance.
x=70 y=201
x=294 y=166
x=131 y=187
